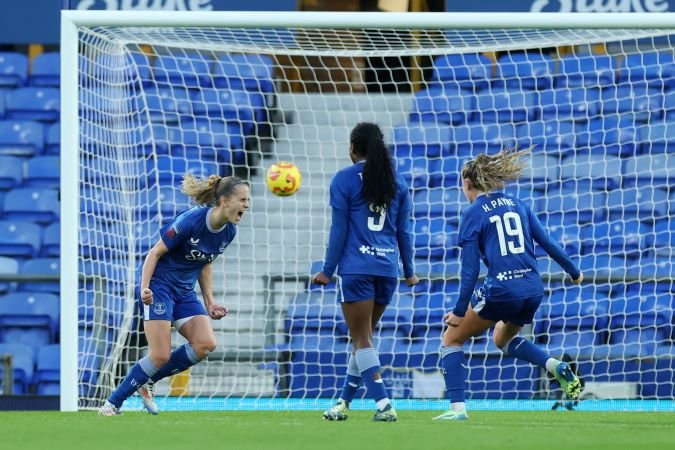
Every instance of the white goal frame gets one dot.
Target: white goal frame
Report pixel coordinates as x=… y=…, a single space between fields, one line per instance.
x=71 y=20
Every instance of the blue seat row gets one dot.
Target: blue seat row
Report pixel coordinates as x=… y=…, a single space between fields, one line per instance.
x=35 y=266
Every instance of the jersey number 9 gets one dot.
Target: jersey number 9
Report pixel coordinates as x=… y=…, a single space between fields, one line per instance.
x=377 y=223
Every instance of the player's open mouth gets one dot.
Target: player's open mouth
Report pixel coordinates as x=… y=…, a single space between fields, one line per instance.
x=240 y=214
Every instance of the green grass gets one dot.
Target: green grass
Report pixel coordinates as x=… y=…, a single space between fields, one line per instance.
x=233 y=430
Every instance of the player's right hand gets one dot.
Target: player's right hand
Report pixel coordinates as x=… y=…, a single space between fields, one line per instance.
x=320 y=278
x=412 y=281
x=146 y=296
x=578 y=280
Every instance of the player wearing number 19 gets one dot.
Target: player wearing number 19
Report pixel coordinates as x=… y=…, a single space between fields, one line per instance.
x=501 y=230
x=371 y=226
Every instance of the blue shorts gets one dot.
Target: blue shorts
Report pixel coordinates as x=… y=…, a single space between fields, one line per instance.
x=168 y=305
x=519 y=312
x=357 y=288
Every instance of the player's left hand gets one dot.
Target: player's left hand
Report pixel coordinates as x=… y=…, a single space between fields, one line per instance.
x=320 y=278
x=412 y=281
x=452 y=320
x=217 y=312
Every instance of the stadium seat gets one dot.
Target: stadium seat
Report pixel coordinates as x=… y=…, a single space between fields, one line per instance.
x=172 y=170
x=640 y=322
x=189 y=70
x=48 y=370
x=563 y=232
x=251 y=72
x=43 y=172
x=442 y=105
x=565 y=103
x=657 y=69
x=8 y=266
x=542 y=170
x=583 y=206
x=643 y=203
x=470 y=71
x=51 y=241
x=210 y=140
x=646 y=105
x=474 y=138
x=13 y=69
x=20 y=239
x=658 y=137
x=448 y=172
x=33 y=103
x=11 y=172
x=168 y=104
x=53 y=139
x=624 y=237
x=21 y=138
x=172 y=202
x=520 y=70
x=421 y=140
x=435 y=238
x=590 y=71
x=225 y=105
x=420 y=172
x=46 y=70
x=501 y=105
x=551 y=137
x=655 y=170
x=139 y=70
x=439 y=203
x=41 y=267
x=32 y=204
x=588 y=171
x=613 y=134
x=23 y=362
x=428 y=314
x=29 y=318
x=652 y=265
x=3 y=95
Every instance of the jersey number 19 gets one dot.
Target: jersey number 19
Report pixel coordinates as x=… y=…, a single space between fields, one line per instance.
x=509 y=224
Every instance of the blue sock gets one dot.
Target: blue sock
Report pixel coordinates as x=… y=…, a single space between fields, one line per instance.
x=352 y=380
x=454 y=372
x=181 y=359
x=521 y=348
x=137 y=377
x=368 y=363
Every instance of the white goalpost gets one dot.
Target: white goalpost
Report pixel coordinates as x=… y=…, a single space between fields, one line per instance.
x=149 y=96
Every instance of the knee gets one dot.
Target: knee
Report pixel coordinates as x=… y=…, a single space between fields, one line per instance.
x=363 y=342
x=159 y=358
x=204 y=346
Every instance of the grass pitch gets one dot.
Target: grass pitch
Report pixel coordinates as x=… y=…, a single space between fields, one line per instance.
x=243 y=430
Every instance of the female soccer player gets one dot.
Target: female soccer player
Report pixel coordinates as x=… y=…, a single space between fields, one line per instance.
x=499 y=229
x=372 y=223
x=181 y=257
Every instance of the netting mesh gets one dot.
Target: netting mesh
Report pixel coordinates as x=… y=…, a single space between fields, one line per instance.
x=156 y=103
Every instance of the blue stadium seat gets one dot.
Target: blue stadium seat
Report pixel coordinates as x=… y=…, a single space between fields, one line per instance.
x=613 y=134
x=8 y=266
x=588 y=171
x=562 y=231
x=657 y=69
x=21 y=138
x=552 y=137
x=20 y=239
x=575 y=103
x=168 y=104
x=227 y=105
x=643 y=103
x=43 y=172
x=51 y=241
x=643 y=203
x=663 y=240
x=439 y=203
x=435 y=238
x=658 y=137
x=184 y=69
x=11 y=172
x=172 y=202
x=251 y=72
x=542 y=170
x=524 y=71
x=172 y=170
x=37 y=205
x=654 y=170
x=41 y=267
x=669 y=105
x=581 y=207
x=420 y=172
x=53 y=139
x=46 y=70
x=428 y=314
x=602 y=265
x=501 y=105
x=23 y=361
x=210 y=140
x=625 y=238
x=420 y=140
x=442 y=105
x=653 y=265
x=3 y=96
x=101 y=204
x=446 y=172
x=474 y=138
x=468 y=71
x=48 y=370
x=34 y=103
x=29 y=318
x=640 y=322
x=13 y=69
x=590 y=71
x=139 y=70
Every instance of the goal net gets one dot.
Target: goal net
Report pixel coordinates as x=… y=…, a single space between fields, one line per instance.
x=157 y=100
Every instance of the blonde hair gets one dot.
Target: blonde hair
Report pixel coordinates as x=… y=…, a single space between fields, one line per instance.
x=207 y=191
x=489 y=172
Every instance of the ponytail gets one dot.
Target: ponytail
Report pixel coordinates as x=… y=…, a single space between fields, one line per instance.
x=379 y=182
x=207 y=191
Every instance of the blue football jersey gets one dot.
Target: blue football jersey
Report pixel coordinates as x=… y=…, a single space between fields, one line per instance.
x=192 y=243
x=372 y=242
x=502 y=227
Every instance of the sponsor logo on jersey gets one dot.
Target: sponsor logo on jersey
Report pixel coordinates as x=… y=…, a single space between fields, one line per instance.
x=194 y=241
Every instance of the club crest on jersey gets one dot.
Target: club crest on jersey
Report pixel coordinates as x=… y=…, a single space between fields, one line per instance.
x=159 y=308
x=222 y=247
x=172 y=232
